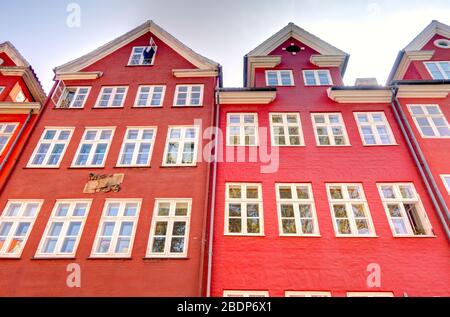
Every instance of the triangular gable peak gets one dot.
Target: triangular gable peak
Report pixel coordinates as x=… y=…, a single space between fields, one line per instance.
x=199 y=61
x=329 y=56
x=13 y=54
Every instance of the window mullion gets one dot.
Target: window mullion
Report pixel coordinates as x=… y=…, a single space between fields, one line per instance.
x=61 y=235
x=244 y=215
x=168 y=235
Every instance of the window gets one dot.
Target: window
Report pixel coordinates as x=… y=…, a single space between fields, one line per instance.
x=430 y=121
x=438 y=70
x=169 y=234
x=1 y=89
x=307 y=294
x=244 y=209
x=245 y=294
x=446 y=181
x=64 y=228
x=111 y=97
x=279 y=78
x=370 y=294
x=242 y=129
x=74 y=97
x=93 y=148
x=286 y=129
x=442 y=43
x=329 y=129
x=115 y=234
x=137 y=146
x=404 y=209
x=16 y=223
x=296 y=211
x=143 y=55
x=349 y=210
x=317 y=77
x=188 y=95
x=51 y=147
x=6 y=131
x=20 y=97
x=150 y=96
x=374 y=128
x=181 y=146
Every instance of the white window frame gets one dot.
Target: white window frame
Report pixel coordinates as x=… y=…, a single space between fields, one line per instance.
x=295 y=201
x=77 y=93
x=182 y=140
x=446 y=185
x=242 y=125
x=170 y=219
x=243 y=202
x=66 y=220
x=188 y=95
x=227 y=293
x=307 y=294
x=439 y=67
x=20 y=97
x=400 y=200
x=329 y=127
x=286 y=125
x=16 y=220
x=111 y=99
x=52 y=145
x=94 y=146
x=142 y=56
x=348 y=202
x=279 y=81
x=7 y=134
x=370 y=294
x=137 y=143
x=373 y=125
x=429 y=117
x=317 y=78
x=118 y=220
x=150 y=96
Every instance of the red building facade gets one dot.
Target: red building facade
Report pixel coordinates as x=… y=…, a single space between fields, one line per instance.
x=112 y=187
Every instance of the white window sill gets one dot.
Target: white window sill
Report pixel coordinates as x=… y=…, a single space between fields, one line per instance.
x=53 y=256
x=415 y=236
x=160 y=106
x=96 y=256
x=178 y=165
x=345 y=145
x=245 y=234
x=357 y=236
x=131 y=166
x=296 y=145
x=87 y=166
x=162 y=257
x=42 y=166
x=300 y=235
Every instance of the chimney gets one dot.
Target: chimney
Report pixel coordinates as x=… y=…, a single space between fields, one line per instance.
x=370 y=81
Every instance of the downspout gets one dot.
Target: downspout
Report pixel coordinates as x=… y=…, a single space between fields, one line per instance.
x=420 y=161
x=213 y=197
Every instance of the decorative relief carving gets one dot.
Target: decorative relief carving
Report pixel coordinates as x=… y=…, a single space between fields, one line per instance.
x=103 y=183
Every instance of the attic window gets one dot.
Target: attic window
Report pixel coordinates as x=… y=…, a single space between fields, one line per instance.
x=442 y=43
x=20 y=97
x=143 y=55
x=293 y=49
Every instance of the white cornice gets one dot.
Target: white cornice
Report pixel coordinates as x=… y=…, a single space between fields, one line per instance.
x=14 y=54
x=406 y=60
x=78 y=75
x=360 y=95
x=435 y=27
x=423 y=91
x=194 y=73
x=29 y=78
x=327 y=60
x=246 y=97
x=19 y=107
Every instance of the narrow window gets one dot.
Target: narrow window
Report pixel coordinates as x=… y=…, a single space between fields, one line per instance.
x=64 y=228
x=245 y=294
x=16 y=222
x=169 y=234
x=73 y=97
x=6 y=131
x=446 y=181
x=404 y=209
x=279 y=78
x=286 y=129
x=244 y=209
x=115 y=234
x=329 y=129
x=317 y=77
x=349 y=210
x=111 y=97
x=242 y=129
x=137 y=146
x=188 y=95
x=181 y=146
x=93 y=147
x=430 y=121
x=51 y=147
x=374 y=128
x=438 y=70
x=150 y=96
x=20 y=97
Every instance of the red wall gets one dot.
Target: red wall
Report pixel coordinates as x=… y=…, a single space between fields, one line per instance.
x=115 y=277
x=416 y=266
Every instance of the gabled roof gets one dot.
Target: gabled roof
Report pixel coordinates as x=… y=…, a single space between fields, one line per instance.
x=435 y=27
x=149 y=26
x=14 y=54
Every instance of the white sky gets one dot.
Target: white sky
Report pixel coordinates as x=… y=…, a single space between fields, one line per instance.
x=372 y=32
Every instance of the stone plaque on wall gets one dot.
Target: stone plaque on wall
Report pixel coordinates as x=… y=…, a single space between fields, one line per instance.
x=103 y=183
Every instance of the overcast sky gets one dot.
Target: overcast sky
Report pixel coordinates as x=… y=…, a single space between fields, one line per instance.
x=372 y=32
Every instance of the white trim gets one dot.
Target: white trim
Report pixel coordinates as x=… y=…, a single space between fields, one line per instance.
x=246 y=97
x=94 y=143
x=373 y=125
x=118 y=221
x=188 y=99
x=111 y=97
x=328 y=125
x=52 y=142
x=295 y=201
x=279 y=78
x=150 y=96
x=348 y=203
x=307 y=294
x=316 y=77
x=243 y=202
x=66 y=221
x=77 y=93
x=286 y=125
x=20 y=97
x=16 y=221
x=446 y=184
x=438 y=43
x=137 y=142
x=182 y=140
x=170 y=219
x=245 y=293
x=242 y=125
x=370 y=294
x=8 y=135
x=435 y=27
x=439 y=67
x=429 y=118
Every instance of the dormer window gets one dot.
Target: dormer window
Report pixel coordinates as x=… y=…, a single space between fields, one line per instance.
x=279 y=78
x=20 y=97
x=438 y=70
x=143 y=55
x=73 y=97
x=317 y=77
